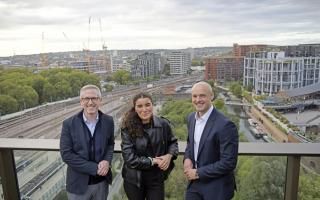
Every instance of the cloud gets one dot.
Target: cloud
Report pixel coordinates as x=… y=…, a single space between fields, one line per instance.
x=127 y=24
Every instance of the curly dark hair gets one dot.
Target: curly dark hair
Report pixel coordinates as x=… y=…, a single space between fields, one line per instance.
x=131 y=120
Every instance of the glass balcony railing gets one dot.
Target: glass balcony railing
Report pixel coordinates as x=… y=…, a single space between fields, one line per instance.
x=33 y=169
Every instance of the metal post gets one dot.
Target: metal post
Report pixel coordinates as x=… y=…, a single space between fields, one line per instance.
x=292 y=178
x=8 y=175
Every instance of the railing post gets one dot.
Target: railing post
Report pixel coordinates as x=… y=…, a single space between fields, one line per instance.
x=292 y=178
x=8 y=175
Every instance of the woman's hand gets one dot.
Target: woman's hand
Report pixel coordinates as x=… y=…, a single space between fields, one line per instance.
x=164 y=161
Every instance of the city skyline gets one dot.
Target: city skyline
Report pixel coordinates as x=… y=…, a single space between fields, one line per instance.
x=35 y=26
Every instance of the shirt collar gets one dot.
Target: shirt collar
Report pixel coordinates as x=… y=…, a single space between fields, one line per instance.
x=86 y=120
x=204 y=117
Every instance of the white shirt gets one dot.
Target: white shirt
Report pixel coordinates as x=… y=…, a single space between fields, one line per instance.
x=91 y=125
x=198 y=129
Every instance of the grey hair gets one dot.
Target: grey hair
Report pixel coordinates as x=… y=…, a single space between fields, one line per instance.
x=204 y=84
x=89 y=87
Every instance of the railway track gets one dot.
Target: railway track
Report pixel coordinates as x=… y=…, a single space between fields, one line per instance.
x=45 y=121
x=36 y=182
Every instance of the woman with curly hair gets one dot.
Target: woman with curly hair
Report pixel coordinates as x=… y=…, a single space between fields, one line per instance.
x=148 y=149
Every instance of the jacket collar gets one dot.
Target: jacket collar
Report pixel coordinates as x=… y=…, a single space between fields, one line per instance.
x=156 y=121
x=80 y=115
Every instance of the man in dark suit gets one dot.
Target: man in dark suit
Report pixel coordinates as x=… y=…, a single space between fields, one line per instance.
x=86 y=146
x=212 y=149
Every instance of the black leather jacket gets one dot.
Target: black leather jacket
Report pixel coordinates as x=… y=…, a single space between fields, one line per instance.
x=134 y=149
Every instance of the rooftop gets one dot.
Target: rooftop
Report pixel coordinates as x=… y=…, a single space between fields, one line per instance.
x=303 y=90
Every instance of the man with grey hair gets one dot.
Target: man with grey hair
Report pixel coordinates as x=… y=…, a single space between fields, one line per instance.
x=212 y=149
x=86 y=146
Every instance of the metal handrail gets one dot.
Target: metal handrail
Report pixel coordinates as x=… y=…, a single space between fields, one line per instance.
x=293 y=151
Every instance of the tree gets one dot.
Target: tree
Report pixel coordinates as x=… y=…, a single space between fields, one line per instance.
x=268 y=182
x=29 y=97
x=175 y=185
x=8 y=104
x=38 y=83
x=108 y=87
x=236 y=89
x=16 y=76
x=309 y=187
x=121 y=76
x=63 y=89
x=219 y=103
x=197 y=62
x=30 y=89
x=176 y=112
x=249 y=87
x=247 y=96
x=25 y=95
x=210 y=82
x=166 y=69
x=92 y=79
x=49 y=92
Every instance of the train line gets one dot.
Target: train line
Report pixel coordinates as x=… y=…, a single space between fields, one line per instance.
x=39 y=123
x=16 y=119
x=28 y=159
x=45 y=122
x=36 y=182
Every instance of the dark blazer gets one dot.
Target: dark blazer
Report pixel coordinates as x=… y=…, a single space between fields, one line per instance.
x=217 y=154
x=74 y=143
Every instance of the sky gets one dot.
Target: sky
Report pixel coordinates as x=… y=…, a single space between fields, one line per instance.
x=40 y=26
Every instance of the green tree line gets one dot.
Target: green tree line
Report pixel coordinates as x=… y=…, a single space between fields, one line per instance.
x=177 y=113
x=123 y=77
x=22 y=88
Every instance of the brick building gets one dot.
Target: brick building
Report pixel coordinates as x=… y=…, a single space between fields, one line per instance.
x=223 y=69
x=242 y=50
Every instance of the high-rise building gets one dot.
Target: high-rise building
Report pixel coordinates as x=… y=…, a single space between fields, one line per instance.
x=147 y=64
x=271 y=72
x=180 y=62
x=222 y=69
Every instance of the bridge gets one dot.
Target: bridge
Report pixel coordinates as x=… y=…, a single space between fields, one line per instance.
x=237 y=103
x=296 y=105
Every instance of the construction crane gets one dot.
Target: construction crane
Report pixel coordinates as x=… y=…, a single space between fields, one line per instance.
x=106 y=58
x=74 y=55
x=43 y=56
x=96 y=64
x=87 y=50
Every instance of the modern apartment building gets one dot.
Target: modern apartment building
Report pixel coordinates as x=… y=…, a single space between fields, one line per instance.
x=180 y=62
x=116 y=63
x=271 y=72
x=222 y=69
x=120 y=63
x=147 y=64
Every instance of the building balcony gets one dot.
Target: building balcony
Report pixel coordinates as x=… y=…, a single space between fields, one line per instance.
x=16 y=186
